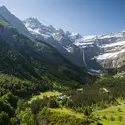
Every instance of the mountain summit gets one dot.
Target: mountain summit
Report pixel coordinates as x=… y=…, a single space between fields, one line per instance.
x=13 y=20
x=58 y=38
x=97 y=51
x=34 y=26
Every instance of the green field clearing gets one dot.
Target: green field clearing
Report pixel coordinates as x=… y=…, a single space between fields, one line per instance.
x=41 y=95
x=114 y=115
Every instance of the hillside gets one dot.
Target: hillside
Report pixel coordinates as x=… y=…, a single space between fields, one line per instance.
x=29 y=66
x=34 y=59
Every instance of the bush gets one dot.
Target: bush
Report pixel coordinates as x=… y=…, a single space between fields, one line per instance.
x=36 y=106
x=13 y=121
x=4 y=119
x=87 y=111
x=53 y=103
x=11 y=99
x=5 y=107
x=48 y=117
x=104 y=117
x=120 y=118
x=99 y=123
x=112 y=118
x=119 y=110
x=26 y=117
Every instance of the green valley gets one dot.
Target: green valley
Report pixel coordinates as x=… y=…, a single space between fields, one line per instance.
x=46 y=82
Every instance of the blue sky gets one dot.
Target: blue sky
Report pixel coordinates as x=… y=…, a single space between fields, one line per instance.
x=88 y=17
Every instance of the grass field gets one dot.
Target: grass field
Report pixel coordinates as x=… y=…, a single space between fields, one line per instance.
x=41 y=95
x=114 y=115
x=66 y=111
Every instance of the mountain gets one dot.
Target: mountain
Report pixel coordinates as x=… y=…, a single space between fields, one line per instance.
x=13 y=20
x=62 y=44
x=92 y=52
x=32 y=59
x=37 y=28
x=42 y=56
x=62 y=41
x=108 y=49
x=29 y=66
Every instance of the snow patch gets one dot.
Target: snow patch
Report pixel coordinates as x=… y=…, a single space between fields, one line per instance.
x=91 y=37
x=109 y=55
x=114 y=44
x=69 y=49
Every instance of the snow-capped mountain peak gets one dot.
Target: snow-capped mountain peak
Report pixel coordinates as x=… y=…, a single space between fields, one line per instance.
x=75 y=36
x=37 y=28
x=32 y=23
x=103 y=49
x=107 y=49
x=60 y=31
x=62 y=40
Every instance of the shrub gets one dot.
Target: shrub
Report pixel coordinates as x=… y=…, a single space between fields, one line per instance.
x=87 y=111
x=4 y=118
x=36 y=106
x=104 y=117
x=112 y=118
x=120 y=118
x=119 y=110
x=99 y=123
x=53 y=103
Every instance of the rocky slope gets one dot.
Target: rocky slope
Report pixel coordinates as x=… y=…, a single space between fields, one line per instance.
x=13 y=20
x=97 y=52
x=61 y=40
x=108 y=50
x=32 y=59
x=56 y=38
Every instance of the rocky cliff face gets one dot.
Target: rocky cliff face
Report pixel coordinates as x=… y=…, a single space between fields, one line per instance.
x=104 y=51
x=61 y=40
x=107 y=50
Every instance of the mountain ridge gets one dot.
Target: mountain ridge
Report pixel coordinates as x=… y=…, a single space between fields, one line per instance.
x=61 y=40
x=32 y=59
x=93 y=52
x=94 y=46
